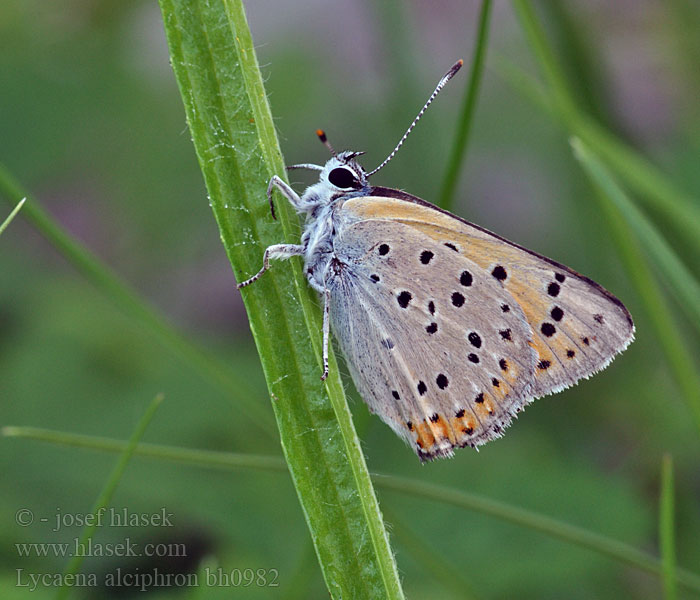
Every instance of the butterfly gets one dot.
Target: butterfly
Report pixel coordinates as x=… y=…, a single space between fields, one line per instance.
x=448 y=330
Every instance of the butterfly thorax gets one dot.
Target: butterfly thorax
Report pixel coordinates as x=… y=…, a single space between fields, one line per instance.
x=341 y=178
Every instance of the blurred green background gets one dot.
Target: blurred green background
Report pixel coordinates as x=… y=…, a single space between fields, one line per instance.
x=92 y=123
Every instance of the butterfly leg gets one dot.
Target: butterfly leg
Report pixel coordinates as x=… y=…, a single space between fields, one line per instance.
x=280 y=251
x=285 y=190
x=326 y=330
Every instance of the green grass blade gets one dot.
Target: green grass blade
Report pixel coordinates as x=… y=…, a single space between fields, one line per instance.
x=552 y=527
x=108 y=491
x=666 y=529
x=12 y=215
x=580 y=58
x=99 y=274
x=642 y=176
x=525 y=518
x=205 y=458
x=680 y=280
x=543 y=53
x=670 y=338
x=226 y=106
x=459 y=145
x=438 y=566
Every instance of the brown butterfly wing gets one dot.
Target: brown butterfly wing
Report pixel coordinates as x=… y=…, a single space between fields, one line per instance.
x=562 y=326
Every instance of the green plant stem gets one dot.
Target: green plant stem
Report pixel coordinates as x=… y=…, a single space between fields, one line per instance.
x=639 y=173
x=108 y=491
x=12 y=215
x=681 y=281
x=205 y=458
x=525 y=518
x=432 y=560
x=617 y=208
x=209 y=366
x=234 y=137
x=666 y=529
x=579 y=57
x=459 y=146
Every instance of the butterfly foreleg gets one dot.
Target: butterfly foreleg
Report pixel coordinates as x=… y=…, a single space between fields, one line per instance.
x=278 y=251
x=326 y=330
x=286 y=191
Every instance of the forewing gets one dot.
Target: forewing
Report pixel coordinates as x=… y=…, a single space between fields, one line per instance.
x=436 y=346
x=576 y=326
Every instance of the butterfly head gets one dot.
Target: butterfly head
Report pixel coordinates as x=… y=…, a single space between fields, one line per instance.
x=341 y=174
x=344 y=174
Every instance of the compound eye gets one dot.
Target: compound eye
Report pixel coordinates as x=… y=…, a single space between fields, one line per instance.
x=343 y=178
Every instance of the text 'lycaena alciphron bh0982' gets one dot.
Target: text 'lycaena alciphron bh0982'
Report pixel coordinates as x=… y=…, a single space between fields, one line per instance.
x=448 y=329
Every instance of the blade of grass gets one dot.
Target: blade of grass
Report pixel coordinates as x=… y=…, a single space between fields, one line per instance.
x=107 y=492
x=538 y=522
x=499 y=510
x=641 y=175
x=613 y=203
x=461 y=139
x=12 y=215
x=579 y=58
x=234 y=137
x=205 y=458
x=209 y=366
x=681 y=281
x=431 y=560
x=666 y=529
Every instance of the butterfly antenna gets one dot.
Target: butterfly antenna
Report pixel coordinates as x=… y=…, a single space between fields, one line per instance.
x=441 y=84
x=324 y=140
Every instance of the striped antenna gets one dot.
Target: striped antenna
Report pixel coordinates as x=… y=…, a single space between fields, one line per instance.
x=324 y=140
x=441 y=84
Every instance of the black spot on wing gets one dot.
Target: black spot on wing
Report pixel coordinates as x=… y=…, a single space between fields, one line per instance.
x=499 y=273
x=404 y=298
x=548 y=329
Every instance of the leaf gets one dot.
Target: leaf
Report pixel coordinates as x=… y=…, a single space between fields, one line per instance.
x=666 y=529
x=216 y=68
x=12 y=215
